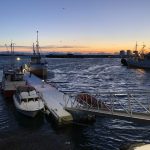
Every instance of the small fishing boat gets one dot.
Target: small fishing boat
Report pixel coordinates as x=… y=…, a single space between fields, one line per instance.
x=138 y=59
x=12 y=77
x=37 y=65
x=27 y=101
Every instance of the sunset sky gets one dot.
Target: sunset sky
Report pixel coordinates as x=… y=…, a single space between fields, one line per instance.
x=75 y=25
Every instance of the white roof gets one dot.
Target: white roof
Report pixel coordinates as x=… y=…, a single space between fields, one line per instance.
x=31 y=94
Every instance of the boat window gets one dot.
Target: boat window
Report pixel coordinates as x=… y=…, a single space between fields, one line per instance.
x=18 y=77
x=30 y=99
x=36 y=99
x=24 y=100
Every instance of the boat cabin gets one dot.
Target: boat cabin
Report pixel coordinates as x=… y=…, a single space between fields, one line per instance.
x=13 y=75
x=26 y=94
x=35 y=59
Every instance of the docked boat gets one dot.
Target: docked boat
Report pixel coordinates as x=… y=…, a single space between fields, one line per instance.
x=37 y=65
x=137 y=60
x=12 y=77
x=27 y=101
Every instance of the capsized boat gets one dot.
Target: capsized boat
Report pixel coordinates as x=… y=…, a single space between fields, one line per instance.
x=27 y=101
x=37 y=65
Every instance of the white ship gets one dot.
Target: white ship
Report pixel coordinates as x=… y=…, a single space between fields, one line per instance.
x=27 y=101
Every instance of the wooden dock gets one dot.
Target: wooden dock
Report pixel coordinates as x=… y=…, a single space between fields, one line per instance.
x=52 y=98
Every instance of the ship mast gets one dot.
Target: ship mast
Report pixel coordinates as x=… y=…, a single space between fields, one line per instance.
x=136 y=46
x=34 y=53
x=37 y=45
x=142 y=51
x=12 y=54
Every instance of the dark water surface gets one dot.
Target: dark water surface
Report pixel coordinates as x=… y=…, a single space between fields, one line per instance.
x=18 y=132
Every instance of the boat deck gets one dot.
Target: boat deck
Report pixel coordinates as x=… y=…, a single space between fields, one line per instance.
x=52 y=98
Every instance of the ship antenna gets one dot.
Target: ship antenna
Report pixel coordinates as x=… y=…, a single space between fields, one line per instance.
x=136 y=46
x=143 y=48
x=37 y=44
x=34 y=53
x=12 y=53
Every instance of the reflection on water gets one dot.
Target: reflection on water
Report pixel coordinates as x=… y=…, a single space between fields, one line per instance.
x=91 y=75
x=29 y=123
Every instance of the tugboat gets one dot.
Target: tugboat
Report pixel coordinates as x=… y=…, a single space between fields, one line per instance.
x=12 y=77
x=27 y=101
x=37 y=65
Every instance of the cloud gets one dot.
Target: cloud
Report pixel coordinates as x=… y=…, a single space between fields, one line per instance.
x=48 y=46
x=63 y=46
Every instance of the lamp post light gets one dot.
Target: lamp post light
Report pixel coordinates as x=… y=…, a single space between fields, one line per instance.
x=18 y=59
x=42 y=83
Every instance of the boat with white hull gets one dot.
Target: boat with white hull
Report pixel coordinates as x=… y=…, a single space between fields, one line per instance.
x=27 y=101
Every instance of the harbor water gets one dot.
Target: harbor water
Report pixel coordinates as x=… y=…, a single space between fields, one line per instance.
x=91 y=75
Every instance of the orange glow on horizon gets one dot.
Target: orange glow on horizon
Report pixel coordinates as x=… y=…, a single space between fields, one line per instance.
x=105 y=47
x=66 y=50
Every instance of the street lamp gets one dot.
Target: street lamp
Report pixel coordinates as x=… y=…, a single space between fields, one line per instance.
x=18 y=58
x=42 y=83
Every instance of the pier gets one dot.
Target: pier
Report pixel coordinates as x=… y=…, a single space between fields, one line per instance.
x=129 y=104
x=53 y=99
x=133 y=104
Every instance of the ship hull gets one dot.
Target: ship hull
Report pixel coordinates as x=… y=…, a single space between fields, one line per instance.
x=38 y=70
x=9 y=87
x=31 y=114
x=143 y=64
x=8 y=93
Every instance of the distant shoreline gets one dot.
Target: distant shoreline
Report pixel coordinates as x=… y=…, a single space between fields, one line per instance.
x=81 y=56
x=70 y=55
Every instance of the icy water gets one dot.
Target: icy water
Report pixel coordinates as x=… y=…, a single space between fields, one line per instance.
x=76 y=75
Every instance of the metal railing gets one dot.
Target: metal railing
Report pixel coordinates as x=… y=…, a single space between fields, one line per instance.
x=132 y=101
